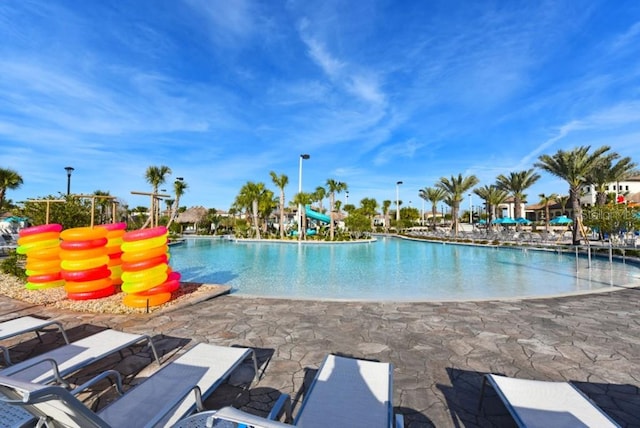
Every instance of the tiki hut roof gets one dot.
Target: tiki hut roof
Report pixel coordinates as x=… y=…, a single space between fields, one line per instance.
x=192 y=215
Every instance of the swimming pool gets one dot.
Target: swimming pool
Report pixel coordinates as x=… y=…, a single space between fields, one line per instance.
x=392 y=269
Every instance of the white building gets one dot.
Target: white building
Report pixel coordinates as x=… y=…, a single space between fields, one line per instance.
x=624 y=188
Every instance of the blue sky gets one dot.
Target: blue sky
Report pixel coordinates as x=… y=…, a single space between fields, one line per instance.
x=223 y=92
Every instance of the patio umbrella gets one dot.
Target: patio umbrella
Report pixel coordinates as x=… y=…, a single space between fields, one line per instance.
x=563 y=219
x=522 y=220
x=508 y=221
x=482 y=221
x=496 y=221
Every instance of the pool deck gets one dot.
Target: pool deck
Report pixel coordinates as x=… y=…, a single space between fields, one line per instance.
x=439 y=350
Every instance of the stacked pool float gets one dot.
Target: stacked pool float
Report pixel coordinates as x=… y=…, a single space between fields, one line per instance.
x=41 y=245
x=147 y=278
x=84 y=262
x=115 y=232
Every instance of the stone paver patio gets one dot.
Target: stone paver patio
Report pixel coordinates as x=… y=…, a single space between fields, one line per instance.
x=439 y=350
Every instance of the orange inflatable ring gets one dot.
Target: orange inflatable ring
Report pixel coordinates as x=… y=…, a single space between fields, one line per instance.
x=85 y=244
x=46 y=236
x=114 y=249
x=98 y=294
x=140 y=275
x=87 y=286
x=136 y=235
x=83 y=234
x=53 y=227
x=44 y=277
x=44 y=285
x=114 y=226
x=169 y=286
x=135 y=301
x=87 y=274
x=45 y=253
x=144 y=244
x=84 y=264
x=144 y=285
x=137 y=256
x=83 y=254
x=42 y=264
x=39 y=245
x=144 y=264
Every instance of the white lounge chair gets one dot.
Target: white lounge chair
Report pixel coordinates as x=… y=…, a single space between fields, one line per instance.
x=60 y=362
x=26 y=324
x=160 y=400
x=534 y=403
x=346 y=392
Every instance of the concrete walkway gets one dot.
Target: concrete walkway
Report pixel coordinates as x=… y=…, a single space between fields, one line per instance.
x=439 y=350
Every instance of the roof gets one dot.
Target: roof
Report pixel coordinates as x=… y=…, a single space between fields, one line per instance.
x=192 y=215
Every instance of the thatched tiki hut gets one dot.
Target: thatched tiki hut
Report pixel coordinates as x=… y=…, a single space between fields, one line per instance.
x=193 y=215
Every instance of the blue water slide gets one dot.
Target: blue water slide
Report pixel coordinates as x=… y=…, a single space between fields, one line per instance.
x=317 y=216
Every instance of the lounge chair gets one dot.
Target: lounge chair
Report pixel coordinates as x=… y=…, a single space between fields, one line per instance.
x=60 y=362
x=171 y=393
x=26 y=324
x=346 y=392
x=534 y=403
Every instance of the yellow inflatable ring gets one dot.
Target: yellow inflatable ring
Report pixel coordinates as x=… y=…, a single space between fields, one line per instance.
x=32 y=246
x=87 y=286
x=136 y=256
x=135 y=301
x=84 y=264
x=44 y=228
x=83 y=254
x=47 y=236
x=45 y=253
x=83 y=233
x=140 y=275
x=137 y=235
x=44 y=285
x=144 y=285
x=144 y=244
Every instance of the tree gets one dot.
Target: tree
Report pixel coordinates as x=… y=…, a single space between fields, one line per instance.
x=155 y=175
x=318 y=195
x=574 y=166
x=606 y=172
x=456 y=188
x=334 y=187
x=303 y=199
x=516 y=183
x=281 y=181
x=9 y=179
x=368 y=208
x=433 y=195
x=546 y=200
x=492 y=196
x=386 y=204
x=358 y=224
x=179 y=186
x=75 y=212
x=249 y=200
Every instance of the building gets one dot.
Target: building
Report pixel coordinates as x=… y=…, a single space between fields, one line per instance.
x=622 y=189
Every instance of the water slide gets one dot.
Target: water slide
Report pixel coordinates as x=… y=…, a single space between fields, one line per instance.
x=317 y=216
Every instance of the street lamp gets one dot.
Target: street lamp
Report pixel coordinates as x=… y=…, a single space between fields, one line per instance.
x=347 y=197
x=470 y=211
x=300 y=207
x=398 y=183
x=69 y=170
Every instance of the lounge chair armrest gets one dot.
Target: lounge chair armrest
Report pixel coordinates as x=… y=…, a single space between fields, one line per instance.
x=238 y=416
x=284 y=401
x=98 y=378
x=54 y=367
x=170 y=405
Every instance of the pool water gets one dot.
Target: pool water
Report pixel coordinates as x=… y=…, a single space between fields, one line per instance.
x=392 y=269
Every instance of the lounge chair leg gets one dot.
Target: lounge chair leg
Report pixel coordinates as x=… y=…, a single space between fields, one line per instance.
x=255 y=365
x=5 y=353
x=484 y=384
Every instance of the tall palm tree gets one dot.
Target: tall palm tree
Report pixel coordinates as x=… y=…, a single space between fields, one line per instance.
x=607 y=172
x=456 y=188
x=281 y=181
x=369 y=206
x=574 y=166
x=563 y=201
x=303 y=199
x=492 y=196
x=318 y=195
x=333 y=187
x=433 y=195
x=155 y=175
x=249 y=200
x=9 y=179
x=179 y=186
x=386 y=204
x=516 y=183
x=547 y=200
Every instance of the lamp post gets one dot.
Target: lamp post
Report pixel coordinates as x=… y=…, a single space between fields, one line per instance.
x=470 y=211
x=398 y=183
x=300 y=207
x=69 y=170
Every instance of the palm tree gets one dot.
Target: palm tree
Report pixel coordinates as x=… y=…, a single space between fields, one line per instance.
x=492 y=196
x=546 y=200
x=368 y=206
x=386 y=204
x=9 y=179
x=574 y=166
x=103 y=200
x=333 y=187
x=606 y=172
x=433 y=195
x=456 y=188
x=249 y=200
x=155 y=175
x=281 y=181
x=179 y=186
x=318 y=195
x=303 y=199
x=516 y=183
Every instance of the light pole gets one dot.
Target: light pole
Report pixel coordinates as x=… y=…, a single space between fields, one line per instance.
x=69 y=170
x=300 y=207
x=398 y=183
x=470 y=211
